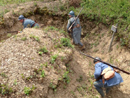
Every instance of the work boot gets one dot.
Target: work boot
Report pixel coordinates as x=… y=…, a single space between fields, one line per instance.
x=82 y=48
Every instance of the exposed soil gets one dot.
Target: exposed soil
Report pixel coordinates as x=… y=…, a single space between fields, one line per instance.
x=21 y=65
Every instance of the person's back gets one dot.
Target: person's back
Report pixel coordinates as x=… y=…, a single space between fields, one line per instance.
x=117 y=79
x=27 y=22
x=71 y=20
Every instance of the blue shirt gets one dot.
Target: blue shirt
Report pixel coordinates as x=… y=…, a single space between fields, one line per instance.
x=28 y=23
x=99 y=67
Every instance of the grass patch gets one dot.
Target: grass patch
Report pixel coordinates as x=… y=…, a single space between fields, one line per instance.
x=50 y=28
x=42 y=50
x=5 y=90
x=109 y=12
x=9 y=35
x=80 y=79
x=36 y=38
x=53 y=58
x=53 y=86
x=24 y=38
x=42 y=74
x=66 y=42
x=28 y=90
x=3 y=75
x=66 y=78
x=5 y=2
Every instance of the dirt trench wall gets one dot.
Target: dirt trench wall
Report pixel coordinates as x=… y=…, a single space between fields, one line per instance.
x=42 y=15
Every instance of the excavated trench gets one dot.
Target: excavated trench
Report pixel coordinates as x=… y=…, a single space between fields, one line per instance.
x=44 y=17
x=97 y=45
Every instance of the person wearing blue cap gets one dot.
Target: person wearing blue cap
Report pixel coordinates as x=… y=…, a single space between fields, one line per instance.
x=27 y=23
x=76 y=30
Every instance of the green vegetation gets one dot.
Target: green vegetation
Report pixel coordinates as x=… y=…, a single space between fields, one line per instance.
x=66 y=78
x=62 y=8
x=9 y=35
x=3 y=75
x=53 y=86
x=40 y=53
x=111 y=60
x=51 y=28
x=38 y=72
x=109 y=12
x=80 y=79
x=24 y=38
x=55 y=9
x=107 y=9
x=42 y=74
x=80 y=89
x=66 y=42
x=43 y=49
x=15 y=82
x=5 y=90
x=29 y=78
x=91 y=75
x=8 y=2
x=23 y=77
x=28 y=90
x=5 y=2
x=53 y=58
x=46 y=64
x=35 y=38
x=48 y=28
x=62 y=58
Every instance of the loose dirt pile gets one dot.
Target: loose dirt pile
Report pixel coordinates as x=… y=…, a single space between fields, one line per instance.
x=22 y=64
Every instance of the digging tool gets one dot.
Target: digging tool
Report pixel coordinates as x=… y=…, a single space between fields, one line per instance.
x=11 y=32
x=106 y=63
x=8 y=32
x=70 y=28
x=114 y=29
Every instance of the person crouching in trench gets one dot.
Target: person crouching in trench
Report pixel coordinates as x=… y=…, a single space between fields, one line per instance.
x=27 y=23
x=116 y=79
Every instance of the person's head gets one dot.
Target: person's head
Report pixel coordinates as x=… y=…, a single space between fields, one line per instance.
x=21 y=18
x=96 y=60
x=71 y=14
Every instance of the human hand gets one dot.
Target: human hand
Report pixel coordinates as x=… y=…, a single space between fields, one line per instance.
x=19 y=31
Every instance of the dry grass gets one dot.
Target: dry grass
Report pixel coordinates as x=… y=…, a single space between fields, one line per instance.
x=75 y=3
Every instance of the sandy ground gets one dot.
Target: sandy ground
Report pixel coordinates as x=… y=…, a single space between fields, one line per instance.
x=20 y=59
